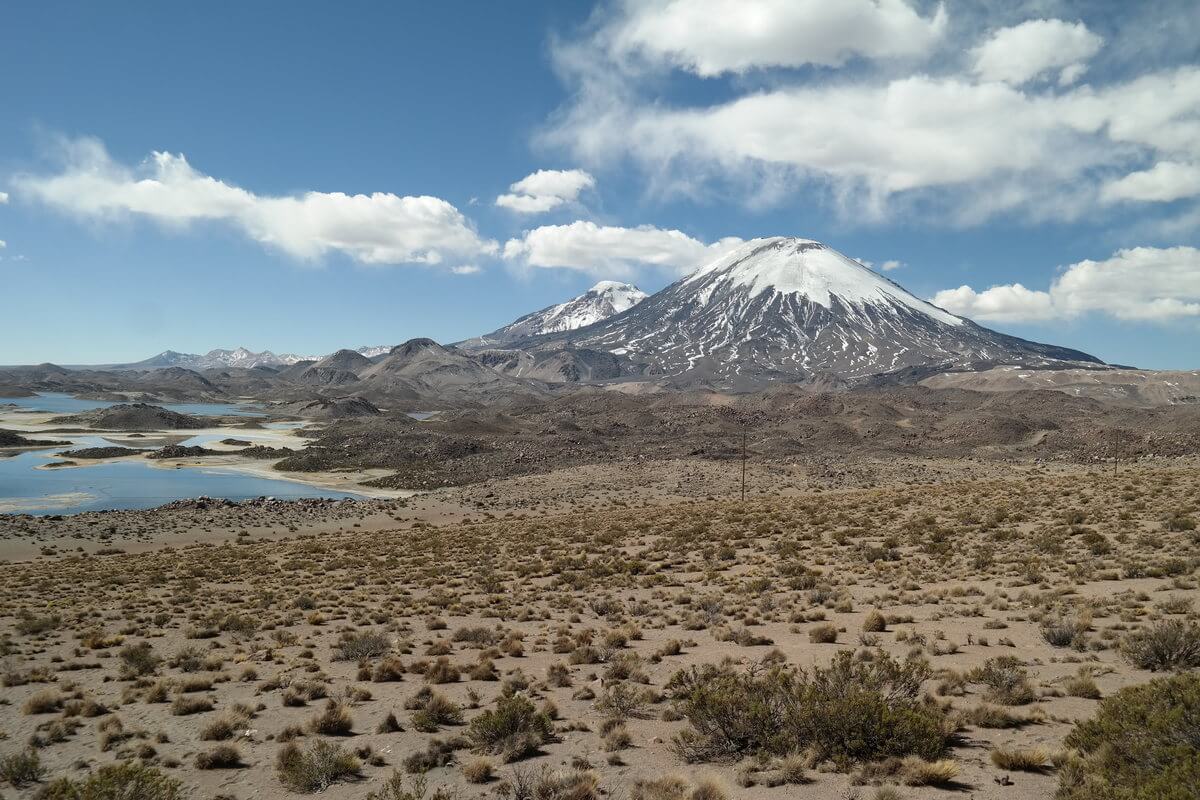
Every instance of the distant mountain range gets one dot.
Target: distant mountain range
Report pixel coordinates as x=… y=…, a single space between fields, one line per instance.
x=239 y=357
x=778 y=309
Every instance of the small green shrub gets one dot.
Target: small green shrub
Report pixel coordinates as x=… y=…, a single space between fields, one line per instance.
x=513 y=730
x=1171 y=644
x=138 y=660
x=115 y=782
x=1143 y=744
x=367 y=644
x=1007 y=681
x=19 y=769
x=847 y=712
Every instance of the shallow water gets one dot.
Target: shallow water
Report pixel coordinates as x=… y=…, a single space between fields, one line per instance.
x=127 y=484
x=25 y=489
x=60 y=403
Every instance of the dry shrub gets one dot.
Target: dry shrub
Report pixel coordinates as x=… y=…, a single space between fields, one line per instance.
x=367 y=644
x=335 y=720
x=316 y=769
x=823 y=634
x=20 y=769
x=223 y=756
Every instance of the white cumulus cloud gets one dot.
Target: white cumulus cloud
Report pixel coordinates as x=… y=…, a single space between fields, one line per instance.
x=1004 y=116
x=379 y=228
x=1164 y=182
x=1141 y=283
x=1023 y=52
x=987 y=147
x=711 y=37
x=612 y=250
x=3 y=198
x=545 y=189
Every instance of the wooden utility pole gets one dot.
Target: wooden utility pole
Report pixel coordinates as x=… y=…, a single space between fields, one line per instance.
x=743 y=465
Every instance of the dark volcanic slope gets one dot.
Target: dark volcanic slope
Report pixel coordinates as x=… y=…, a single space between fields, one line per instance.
x=133 y=417
x=792 y=309
x=784 y=424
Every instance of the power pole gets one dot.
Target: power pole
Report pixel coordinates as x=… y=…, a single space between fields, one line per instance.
x=743 y=465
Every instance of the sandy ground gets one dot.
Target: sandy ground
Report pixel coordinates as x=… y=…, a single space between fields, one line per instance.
x=980 y=558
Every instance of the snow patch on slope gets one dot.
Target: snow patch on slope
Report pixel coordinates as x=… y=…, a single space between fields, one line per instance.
x=602 y=301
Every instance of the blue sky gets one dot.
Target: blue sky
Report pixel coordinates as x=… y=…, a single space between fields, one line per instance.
x=330 y=172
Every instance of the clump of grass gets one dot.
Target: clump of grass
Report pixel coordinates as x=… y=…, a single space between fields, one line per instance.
x=316 y=769
x=1083 y=685
x=223 y=756
x=1020 y=760
x=47 y=701
x=479 y=770
x=515 y=729
x=390 y=669
x=986 y=715
x=334 y=720
x=875 y=622
x=431 y=710
x=183 y=705
x=916 y=771
x=1170 y=644
x=826 y=633
x=224 y=727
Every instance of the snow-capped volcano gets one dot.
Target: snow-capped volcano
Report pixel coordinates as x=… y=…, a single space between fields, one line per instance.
x=600 y=302
x=793 y=309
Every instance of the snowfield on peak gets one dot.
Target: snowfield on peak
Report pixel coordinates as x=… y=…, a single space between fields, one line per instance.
x=598 y=303
x=808 y=268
